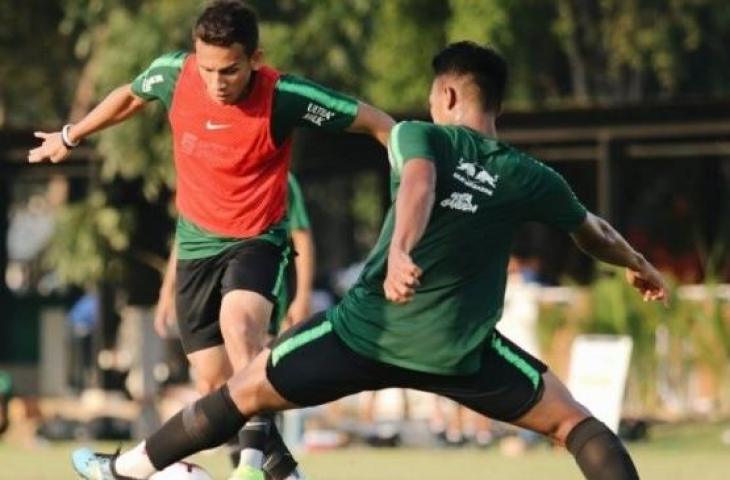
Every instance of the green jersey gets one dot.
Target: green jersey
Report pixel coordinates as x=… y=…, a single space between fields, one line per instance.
x=485 y=190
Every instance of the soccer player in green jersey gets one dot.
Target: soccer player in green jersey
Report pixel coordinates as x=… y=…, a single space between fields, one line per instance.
x=423 y=313
x=295 y=302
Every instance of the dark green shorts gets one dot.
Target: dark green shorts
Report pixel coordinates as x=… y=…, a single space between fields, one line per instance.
x=310 y=365
x=257 y=265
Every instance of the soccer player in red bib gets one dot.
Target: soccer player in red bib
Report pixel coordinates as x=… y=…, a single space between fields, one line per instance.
x=232 y=119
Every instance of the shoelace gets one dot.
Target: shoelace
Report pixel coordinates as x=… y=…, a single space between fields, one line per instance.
x=112 y=468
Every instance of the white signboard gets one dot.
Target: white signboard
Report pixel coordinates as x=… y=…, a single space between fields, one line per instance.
x=598 y=368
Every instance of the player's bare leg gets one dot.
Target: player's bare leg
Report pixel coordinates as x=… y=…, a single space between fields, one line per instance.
x=597 y=450
x=244 y=320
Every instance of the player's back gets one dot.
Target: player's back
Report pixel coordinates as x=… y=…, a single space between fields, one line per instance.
x=485 y=190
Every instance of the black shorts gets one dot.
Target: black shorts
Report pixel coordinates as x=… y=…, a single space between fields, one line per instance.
x=256 y=265
x=310 y=365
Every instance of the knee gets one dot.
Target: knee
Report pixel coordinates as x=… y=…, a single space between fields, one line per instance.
x=563 y=418
x=562 y=428
x=210 y=380
x=206 y=385
x=247 y=393
x=250 y=389
x=246 y=327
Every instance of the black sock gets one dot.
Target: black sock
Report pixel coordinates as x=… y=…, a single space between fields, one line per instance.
x=234 y=450
x=279 y=462
x=256 y=432
x=599 y=452
x=207 y=423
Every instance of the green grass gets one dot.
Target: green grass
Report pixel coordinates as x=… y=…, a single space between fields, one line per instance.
x=673 y=453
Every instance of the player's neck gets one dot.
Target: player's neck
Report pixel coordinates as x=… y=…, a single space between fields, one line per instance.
x=248 y=88
x=481 y=122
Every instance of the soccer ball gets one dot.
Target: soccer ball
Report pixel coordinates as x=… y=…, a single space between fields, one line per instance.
x=182 y=471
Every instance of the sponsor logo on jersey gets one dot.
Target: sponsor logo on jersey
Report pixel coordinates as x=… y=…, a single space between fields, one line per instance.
x=460 y=201
x=216 y=126
x=150 y=82
x=476 y=177
x=208 y=151
x=188 y=142
x=317 y=114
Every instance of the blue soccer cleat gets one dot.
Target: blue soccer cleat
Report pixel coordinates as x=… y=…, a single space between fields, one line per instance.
x=95 y=466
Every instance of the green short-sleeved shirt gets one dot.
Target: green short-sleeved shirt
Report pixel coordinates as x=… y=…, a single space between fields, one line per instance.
x=296 y=211
x=297 y=102
x=485 y=190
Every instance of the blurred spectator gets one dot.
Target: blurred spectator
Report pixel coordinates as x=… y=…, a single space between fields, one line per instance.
x=82 y=320
x=6 y=391
x=520 y=312
x=380 y=433
x=519 y=323
x=454 y=425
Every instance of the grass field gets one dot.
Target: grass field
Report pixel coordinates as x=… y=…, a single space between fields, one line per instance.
x=689 y=452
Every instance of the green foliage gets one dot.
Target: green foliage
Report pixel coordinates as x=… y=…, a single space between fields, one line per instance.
x=327 y=45
x=406 y=35
x=142 y=146
x=694 y=333
x=521 y=31
x=559 y=51
x=89 y=237
x=617 y=309
x=707 y=324
x=29 y=33
x=632 y=49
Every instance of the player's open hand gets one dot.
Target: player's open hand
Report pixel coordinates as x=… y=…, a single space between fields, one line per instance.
x=165 y=313
x=649 y=282
x=402 y=278
x=51 y=149
x=298 y=311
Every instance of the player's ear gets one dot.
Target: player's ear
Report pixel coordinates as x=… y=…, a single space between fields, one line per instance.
x=257 y=58
x=450 y=98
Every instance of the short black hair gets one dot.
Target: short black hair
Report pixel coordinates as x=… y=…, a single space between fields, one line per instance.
x=225 y=22
x=487 y=67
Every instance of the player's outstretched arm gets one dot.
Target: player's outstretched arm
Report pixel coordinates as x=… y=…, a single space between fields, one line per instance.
x=599 y=239
x=413 y=205
x=119 y=105
x=372 y=121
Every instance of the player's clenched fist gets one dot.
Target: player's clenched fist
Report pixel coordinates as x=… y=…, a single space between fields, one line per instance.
x=402 y=277
x=649 y=282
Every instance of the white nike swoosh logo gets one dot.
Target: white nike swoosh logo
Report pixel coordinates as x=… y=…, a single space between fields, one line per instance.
x=216 y=126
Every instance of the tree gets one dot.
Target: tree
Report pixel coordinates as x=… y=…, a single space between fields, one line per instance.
x=120 y=41
x=324 y=40
x=522 y=31
x=629 y=50
x=30 y=33
x=406 y=34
